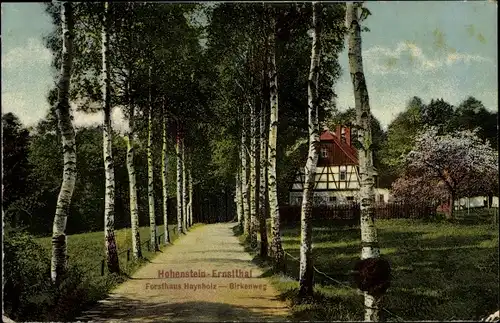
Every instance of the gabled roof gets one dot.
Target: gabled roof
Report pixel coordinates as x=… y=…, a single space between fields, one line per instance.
x=350 y=151
x=327 y=136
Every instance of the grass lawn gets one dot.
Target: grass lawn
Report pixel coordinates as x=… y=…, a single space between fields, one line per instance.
x=86 y=250
x=441 y=271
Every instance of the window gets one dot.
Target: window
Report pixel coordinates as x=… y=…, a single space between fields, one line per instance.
x=381 y=198
x=324 y=152
x=333 y=199
x=343 y=173
x=350 y=198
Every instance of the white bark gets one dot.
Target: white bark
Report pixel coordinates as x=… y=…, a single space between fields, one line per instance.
x=130 y=139
x=190 y=193
x=238 y=198
x=134 y=213
x=276 y=247
x=306 y=266
x=59 y=261
x=184 y=188
x=109 y=200
x=254 y=196
x=151 y=200
x=244 y=179
x=262 y=174
x=164 y=172
x=369 y=241
x=178 y=149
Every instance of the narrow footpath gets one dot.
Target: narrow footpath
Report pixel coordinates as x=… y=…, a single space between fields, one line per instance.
x=205 y=276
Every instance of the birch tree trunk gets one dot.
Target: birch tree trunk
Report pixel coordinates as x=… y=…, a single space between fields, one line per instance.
x=254 y=188
x=178 y=150
x=164 y=172
x=276 y=247
x=262 y=174
x=151 y=199
x=65 y=123
x=134 y=213
x=244 y=178
x=109 y=200
x=190 y=192
x=306 y=263
x=237 y=194
x=184 y=188
x=369 y=241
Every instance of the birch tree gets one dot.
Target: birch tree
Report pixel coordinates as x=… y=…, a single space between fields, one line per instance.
x=65 y=123
x=184 y=187
x=178 y=151
x=190 y=193
x=262 y=171
x=164 y=171
x=238 y=196
x=151 y=199
x=370 y=249
x=254 y=186
x=276 y=247
x=109 y=200
x=306 y=265
x=134 y=209
x=244 y=178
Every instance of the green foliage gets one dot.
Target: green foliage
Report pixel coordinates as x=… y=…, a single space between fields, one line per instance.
x=15 y=158
x=28 y=291
x=445 y=271
x=471 y=114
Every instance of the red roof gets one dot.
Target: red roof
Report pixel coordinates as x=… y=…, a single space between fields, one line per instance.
x=349 y=150
x=327 y=135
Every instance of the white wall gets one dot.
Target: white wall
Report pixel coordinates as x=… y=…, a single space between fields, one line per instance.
x=475 y=201
x=323 y=197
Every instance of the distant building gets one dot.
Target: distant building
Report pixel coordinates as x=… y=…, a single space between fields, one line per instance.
x=337 y=173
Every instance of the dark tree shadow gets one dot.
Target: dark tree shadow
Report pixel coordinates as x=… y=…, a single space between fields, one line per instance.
x=119 y=308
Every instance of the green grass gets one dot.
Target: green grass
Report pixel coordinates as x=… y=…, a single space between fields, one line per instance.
x=442 y=271
x=86 y=250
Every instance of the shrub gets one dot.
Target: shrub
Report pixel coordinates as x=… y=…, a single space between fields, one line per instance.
x=29 y=293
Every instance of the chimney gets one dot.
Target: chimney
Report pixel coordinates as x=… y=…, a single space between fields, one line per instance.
x=348 y=136
x=337 y=131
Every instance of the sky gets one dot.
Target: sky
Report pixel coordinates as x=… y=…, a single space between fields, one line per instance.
x=429 y=49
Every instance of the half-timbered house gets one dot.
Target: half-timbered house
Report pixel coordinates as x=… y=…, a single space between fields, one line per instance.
x=337 y=173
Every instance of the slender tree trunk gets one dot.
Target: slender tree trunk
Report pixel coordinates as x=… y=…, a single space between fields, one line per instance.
x=264 y=245
x=237 y=197
x=449 y=214
x=152 y=217
x=109 y=201
x=369 y=240
x=59 y=261
x=254 y=196
x=190 y=193
x=178 y=151
x=276 y=247
x=164 y=172
x=241 y=178
x=130 y=140
x=184 y=188
x=306 y=263
x=244 y=178
x=134 y=213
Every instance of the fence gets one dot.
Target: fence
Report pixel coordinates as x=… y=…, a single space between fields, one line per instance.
x=146 y=243
x=350 y=213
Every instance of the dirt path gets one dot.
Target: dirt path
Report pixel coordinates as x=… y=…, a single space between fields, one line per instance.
x=152 y=294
